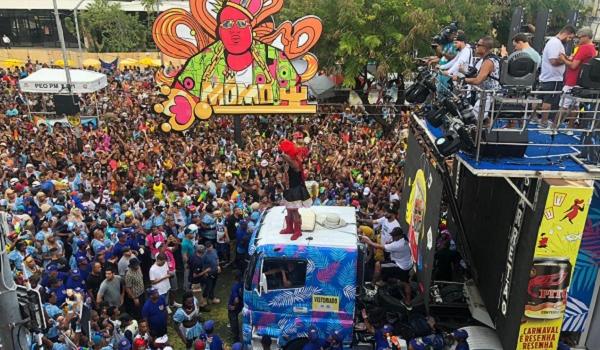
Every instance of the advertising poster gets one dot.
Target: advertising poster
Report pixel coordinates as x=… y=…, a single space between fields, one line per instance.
x=555 y=254
x=584 y=280
x=419 y=210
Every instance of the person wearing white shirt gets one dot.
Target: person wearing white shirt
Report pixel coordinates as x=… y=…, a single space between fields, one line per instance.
x=159 y=276
x=386 y=223
x=553 y=70
x=463 y=60
x=400 y=263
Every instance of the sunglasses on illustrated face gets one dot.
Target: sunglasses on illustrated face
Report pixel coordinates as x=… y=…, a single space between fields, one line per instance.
x=241 y=23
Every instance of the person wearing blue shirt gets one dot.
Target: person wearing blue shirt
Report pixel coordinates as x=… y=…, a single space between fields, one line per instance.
x=75 y=280
x=121 y=243
x=52 y=272
x=381 y=337
x=210 y=262
x=234 y=306
x=314 y=342
x=53 y=311
x=17 y=256
x=57 y=287
x=155 y=312
x=213 y=341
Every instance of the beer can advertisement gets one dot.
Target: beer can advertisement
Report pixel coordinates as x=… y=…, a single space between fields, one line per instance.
x=557 y=245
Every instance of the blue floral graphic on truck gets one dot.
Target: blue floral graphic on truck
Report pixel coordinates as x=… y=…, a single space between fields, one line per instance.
x=326 y=300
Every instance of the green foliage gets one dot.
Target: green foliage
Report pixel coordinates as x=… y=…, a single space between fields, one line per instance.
x=110 y=29
x=391 y=32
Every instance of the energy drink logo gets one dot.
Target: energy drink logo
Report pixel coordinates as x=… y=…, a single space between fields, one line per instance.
x=238 y=61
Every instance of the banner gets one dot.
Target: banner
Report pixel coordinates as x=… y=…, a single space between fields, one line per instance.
x=420 y=210
x=584 y=280
x=238 y=60
x=110 y=66
x=558 y=241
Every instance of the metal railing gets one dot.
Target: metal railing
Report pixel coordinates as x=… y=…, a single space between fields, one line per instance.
x=509 y=110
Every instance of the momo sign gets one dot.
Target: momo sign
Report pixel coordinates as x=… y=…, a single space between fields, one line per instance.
x=237 y=60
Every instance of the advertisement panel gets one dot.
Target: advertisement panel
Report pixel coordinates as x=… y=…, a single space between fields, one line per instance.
x=558 y=240
x=420 y=209
x=584 y=282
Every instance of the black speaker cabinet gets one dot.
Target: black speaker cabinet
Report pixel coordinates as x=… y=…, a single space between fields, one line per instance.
x=66 y=104
x=500 y=137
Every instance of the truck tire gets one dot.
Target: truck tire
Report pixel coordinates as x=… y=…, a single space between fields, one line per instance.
x=296 y=344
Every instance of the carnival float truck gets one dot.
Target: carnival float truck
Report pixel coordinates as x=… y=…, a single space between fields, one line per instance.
x=292 y=285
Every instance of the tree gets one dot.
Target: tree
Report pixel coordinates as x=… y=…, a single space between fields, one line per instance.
x=152 y=8
x=387 y=32
x=110 y=29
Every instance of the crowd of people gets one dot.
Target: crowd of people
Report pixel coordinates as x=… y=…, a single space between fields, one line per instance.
x=139 y=225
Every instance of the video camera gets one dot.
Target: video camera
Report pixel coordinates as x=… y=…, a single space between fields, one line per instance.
x=444 y=37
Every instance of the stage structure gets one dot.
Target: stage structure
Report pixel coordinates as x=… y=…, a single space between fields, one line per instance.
x=239 y=61
x=519 y=199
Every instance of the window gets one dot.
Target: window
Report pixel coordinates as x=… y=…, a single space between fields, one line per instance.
x=250 y=270
x=284 y=273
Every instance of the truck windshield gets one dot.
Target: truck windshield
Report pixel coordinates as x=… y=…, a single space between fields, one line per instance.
x=284 y=273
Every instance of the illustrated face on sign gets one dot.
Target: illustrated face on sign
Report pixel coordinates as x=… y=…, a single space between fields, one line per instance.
x=235 y=31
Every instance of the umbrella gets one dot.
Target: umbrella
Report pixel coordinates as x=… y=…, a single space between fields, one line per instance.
x=11 y=62
x=91 y=62
x=128 y=62
x=150 y=62
x=61 y=63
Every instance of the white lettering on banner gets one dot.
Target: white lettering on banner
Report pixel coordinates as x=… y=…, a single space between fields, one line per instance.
x=513 y=239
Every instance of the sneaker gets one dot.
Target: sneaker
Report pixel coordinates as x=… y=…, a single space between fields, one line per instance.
x=407 y=306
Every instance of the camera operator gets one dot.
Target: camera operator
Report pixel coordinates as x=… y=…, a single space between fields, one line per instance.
x=488 y=70
x=463 y=60
x=445 y=53
x=553 y=70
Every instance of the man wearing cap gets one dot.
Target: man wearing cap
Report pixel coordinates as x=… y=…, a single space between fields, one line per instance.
x=584 y=52
x=314 y=341
x=155 y=312
x=75 y=281
x=212 y=340
x=463 y=60
x=134 y=288
x=386 y=223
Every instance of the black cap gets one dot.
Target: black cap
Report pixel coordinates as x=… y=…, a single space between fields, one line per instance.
x=134 y=262
x=461 y=36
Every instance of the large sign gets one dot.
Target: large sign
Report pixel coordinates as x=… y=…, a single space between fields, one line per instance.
x=238 y=60
x=584 y=281
x=420 y=210
x=558 y=241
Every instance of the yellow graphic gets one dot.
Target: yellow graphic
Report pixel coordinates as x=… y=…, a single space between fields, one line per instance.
x=415 y=215
x=325 y=303
x=557 y=245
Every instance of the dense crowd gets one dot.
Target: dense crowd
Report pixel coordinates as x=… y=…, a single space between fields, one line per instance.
x=139 y=224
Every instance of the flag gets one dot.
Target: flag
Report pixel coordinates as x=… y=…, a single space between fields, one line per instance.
x=109 y=65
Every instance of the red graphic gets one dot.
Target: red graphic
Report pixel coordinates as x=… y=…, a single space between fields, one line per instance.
x=543 y=243
x=574 y=210
x=537 y=287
